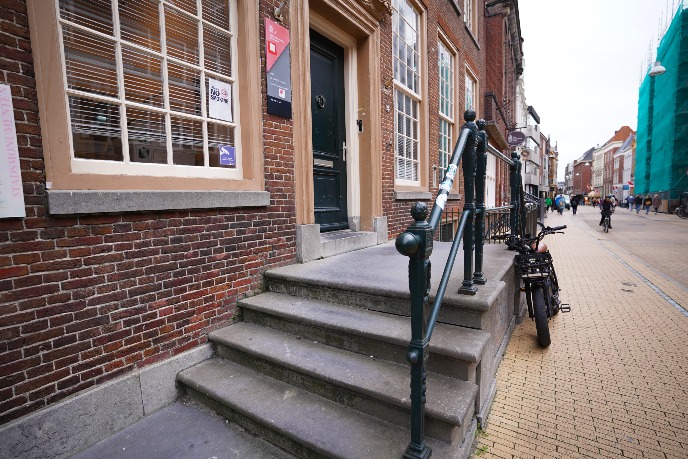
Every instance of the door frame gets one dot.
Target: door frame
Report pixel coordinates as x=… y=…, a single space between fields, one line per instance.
x=348 y=43
x=359 y=35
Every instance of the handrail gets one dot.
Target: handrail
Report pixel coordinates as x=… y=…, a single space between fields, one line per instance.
x=499 y=155
x=442 y=288
x=417 y=243
x=448 y=181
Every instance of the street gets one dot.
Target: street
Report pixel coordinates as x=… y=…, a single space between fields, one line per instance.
x=613 y=382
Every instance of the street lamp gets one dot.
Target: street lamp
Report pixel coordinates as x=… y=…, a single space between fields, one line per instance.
x=657 y=69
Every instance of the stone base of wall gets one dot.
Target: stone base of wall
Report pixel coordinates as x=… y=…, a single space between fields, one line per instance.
x=71 y=425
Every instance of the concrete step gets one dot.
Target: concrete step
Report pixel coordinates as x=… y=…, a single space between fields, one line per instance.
x=300 y=422
x=376 y=387
x=455 y=351
x=377 y=278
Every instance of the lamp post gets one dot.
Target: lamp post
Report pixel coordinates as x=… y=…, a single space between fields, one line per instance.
x=656 y=70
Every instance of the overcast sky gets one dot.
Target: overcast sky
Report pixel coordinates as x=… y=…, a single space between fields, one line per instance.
x=583 y=64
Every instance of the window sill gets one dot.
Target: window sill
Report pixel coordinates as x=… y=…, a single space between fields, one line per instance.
x=412 y=195
x=70 y=202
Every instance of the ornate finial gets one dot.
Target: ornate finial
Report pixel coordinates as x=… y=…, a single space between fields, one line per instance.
x=419 y=211
x=514 y=155
x=469 y=115
x=481 y=124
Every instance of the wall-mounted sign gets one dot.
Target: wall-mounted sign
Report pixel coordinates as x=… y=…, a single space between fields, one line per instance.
x=11 y=191
x=515 y=138
x=219 y=100
x=278 y=67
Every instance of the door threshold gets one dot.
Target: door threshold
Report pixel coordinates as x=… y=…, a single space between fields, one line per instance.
x=342 y=241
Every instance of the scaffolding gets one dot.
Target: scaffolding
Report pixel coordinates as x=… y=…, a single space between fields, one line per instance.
x=662 y=136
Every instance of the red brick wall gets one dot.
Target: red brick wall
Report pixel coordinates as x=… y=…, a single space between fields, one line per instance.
x=85 y=299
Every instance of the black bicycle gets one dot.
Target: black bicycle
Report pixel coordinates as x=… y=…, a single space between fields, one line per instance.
x=605 y=224
x=534 y=265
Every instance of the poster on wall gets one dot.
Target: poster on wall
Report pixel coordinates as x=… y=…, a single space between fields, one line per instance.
x=278 y=65
x=11 y=191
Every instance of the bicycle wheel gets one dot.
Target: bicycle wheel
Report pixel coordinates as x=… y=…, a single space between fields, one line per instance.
x=606 y=225
x=682 y=212
x=541 y=320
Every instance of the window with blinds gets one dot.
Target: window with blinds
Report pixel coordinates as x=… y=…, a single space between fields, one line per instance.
x=406 y=61
x=151 y=82
x=446 y=104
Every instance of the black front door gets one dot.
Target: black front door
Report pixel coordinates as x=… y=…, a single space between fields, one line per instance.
x=329 y=148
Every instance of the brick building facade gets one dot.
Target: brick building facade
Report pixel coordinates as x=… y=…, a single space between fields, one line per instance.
x=132 y=257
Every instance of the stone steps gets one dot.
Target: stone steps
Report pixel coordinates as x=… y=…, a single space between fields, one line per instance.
x=317 y=364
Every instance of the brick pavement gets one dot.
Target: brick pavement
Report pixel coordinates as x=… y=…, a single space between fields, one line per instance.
x=614 y=382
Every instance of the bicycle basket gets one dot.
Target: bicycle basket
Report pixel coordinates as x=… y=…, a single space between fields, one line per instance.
x=533 y=263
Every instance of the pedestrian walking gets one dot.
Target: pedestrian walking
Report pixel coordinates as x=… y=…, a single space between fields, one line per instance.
x=638 y=203
x=647 y=204
x=656 y=202
x=560 y=205
x=574 y=205
x=630 y=200
x=548 y=203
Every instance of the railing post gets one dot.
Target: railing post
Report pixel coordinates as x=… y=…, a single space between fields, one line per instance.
x=515 y=197
x=416 y=243
x=481 y=170
x=469 y=171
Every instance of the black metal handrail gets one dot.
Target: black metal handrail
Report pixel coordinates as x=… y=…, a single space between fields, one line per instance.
x=417 y=243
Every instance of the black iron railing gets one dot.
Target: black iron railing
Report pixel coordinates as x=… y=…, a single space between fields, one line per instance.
x=473 y=227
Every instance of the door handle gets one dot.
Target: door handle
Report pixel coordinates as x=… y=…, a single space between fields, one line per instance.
x=344 y=151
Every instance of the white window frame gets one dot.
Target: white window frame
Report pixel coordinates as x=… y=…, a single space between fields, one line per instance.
x=471 y=91
x=446 y=57
x=126 y=166
x=469 y=16
x=409 y=93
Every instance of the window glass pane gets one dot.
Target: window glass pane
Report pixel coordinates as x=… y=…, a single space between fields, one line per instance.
x=142 y=77
x=146 y=133
x=407 y=137
x=187 y=5
x=187 y=141
x=216 y=46
x=405 y=37
x=92 y=14
x=184 y=88
x=96 y=131
x=219 y=135
x=140 y=24
x=216 y=12
x=446 y=81
x=90 y=62
x=182 y=36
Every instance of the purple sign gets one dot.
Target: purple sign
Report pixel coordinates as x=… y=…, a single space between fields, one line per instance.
x=227 y=156
x=515 y=138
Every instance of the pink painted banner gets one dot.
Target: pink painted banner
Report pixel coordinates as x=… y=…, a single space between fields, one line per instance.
x=11 y=191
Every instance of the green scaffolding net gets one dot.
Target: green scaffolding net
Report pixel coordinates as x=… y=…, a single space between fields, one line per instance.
x=662 y=135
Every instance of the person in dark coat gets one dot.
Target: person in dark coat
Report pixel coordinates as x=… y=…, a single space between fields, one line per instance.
x=574 y=205
x=606 y=207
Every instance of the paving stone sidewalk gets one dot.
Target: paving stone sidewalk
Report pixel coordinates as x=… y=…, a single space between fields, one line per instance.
x=614 y=382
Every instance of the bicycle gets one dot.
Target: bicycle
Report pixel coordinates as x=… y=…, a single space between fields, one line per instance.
x=535 y=267
x=605 y=224
x=682 y=209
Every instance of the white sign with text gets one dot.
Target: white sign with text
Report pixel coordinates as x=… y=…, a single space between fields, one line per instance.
x=219 y=100
x=11 y=191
